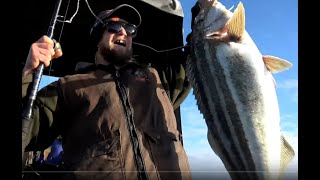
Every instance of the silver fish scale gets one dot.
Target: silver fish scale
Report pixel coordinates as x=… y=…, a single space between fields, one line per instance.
x=198 y=72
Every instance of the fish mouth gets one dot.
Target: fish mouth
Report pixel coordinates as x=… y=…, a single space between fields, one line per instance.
x=212 y=18
x=205 y=6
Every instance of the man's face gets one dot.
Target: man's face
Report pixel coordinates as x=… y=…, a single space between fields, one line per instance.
x=116 y=47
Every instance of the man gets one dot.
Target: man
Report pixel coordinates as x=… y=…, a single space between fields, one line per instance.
x=115 y=118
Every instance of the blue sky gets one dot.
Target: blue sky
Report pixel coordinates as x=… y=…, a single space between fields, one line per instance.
x=273 y=25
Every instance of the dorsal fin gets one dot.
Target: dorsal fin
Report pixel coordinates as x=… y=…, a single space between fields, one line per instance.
x=275 y=64
x=236 y=25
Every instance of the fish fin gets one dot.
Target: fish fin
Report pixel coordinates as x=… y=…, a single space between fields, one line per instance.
x=287 y=154
x=275 y=64
x=236 y=24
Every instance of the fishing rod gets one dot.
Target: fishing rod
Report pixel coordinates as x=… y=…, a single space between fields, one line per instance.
x=26 y=115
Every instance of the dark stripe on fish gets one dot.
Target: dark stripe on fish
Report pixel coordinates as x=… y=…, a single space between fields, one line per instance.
x=200 y=88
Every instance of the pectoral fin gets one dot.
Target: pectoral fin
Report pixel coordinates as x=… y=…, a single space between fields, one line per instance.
x=275 y=64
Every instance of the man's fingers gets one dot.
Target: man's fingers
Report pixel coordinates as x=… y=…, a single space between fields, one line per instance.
x=44 y=59
x=57 y=49
x=45 y=39
x=56 y=46
x=45 y=50
x=57 y=54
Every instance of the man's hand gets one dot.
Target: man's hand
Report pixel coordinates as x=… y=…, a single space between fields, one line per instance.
x=43 y=50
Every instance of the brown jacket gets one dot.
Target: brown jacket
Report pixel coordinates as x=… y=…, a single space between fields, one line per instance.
x=114 y=124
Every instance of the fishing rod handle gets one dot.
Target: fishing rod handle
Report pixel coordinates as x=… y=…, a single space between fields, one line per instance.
x=33 y=94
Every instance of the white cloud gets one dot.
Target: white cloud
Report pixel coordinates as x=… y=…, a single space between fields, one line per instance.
x=289 y=123
x=295 y=96
x=194 y=133
x=288 y=84
x=204 y=162
x=290 y=87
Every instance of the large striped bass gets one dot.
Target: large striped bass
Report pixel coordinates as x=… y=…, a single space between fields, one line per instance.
x=236 y=93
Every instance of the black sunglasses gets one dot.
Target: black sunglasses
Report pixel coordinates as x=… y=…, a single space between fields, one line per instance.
x=115 y=27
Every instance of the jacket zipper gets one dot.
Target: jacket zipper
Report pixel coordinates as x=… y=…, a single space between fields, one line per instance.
x=132 y=130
